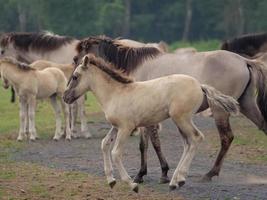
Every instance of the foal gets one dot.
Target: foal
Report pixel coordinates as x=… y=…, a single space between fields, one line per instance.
x=128 y=105
x=67 y=69
x=31 y=84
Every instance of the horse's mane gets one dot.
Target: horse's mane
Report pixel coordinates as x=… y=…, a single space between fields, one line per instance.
x=42 y=41
x=109 y=68
x=122 y=57
x=19 y=65
x=247 y=44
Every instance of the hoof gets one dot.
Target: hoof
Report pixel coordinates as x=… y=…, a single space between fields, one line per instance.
x=55 y=139
x=172 y=187
x=19 y=139
x=181 y=183
x=112 y=184
x=32 y=139
x=138 y=179
x=164 y=180
x=135 y=189
x=68 y=139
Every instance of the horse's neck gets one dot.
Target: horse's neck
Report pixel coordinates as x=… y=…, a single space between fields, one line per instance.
x=62 y=55
x=103 y=87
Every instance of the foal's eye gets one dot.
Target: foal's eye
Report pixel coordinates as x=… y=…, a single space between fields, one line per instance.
x=2 y=52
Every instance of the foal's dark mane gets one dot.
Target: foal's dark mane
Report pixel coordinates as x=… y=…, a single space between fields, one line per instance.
x=42 y=41
x=110 y=69
x=122 y=57
x=19 y=65
x=247 y=44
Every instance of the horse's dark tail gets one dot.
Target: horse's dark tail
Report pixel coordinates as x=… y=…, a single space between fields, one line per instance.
x=259 y=75
x=13 y=95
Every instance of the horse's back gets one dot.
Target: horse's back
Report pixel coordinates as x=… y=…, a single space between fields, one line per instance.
x=223 y=70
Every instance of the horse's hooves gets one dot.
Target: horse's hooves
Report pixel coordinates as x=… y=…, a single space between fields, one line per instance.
x=172 y=187
x=32 y=139
x=135 y=189
x=19 y=140
x=138 y=179
x=55 y=139
x=164 y=180
x=112 y=184
x=181 y=183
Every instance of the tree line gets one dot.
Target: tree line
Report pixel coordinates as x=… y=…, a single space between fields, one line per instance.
x=147 y=20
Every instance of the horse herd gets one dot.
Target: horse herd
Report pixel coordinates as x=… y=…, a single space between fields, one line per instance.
x=137 y=85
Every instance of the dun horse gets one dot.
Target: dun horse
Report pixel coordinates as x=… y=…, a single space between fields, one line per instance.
x=31 y=84
x=137 y=104
x=229 y=73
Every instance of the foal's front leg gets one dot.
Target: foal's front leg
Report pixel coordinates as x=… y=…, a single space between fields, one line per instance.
x=106 y=148
x=116 y=153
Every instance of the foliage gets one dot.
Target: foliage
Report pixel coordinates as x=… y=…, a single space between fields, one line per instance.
x=150 y=20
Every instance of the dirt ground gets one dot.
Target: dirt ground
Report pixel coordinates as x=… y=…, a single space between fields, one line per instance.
x=239 y=178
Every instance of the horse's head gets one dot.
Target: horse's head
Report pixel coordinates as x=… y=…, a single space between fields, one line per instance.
x=78 y=85
x=6 y=47
x=88 y=45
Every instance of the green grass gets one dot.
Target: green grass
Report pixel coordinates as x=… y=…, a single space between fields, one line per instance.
x=202 y=45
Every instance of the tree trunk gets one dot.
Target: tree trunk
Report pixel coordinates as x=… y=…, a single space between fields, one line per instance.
x=188 y=20
x=22 y=17
x=127 y=19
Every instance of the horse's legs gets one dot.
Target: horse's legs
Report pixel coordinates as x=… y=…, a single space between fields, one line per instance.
x=226 y=136
x=154 y=136
x=31 y=114
x=23 y=121
x=106 y=148
x=151 y=131
x=81 y=110
x=58 y=132
x=116 y=153
x=66 y=112
x=191 y=136
x=143 y=146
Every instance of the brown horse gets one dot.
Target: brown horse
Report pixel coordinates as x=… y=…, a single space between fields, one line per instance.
x=251 y=45
x=227 y=72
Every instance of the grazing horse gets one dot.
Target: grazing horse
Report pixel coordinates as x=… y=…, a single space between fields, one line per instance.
x=136 y=104
x=30 y=47
x=250 y=45
x=31 y=84
x=228 y=72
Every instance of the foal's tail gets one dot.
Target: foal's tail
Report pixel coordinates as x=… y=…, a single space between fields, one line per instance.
x=217 y=99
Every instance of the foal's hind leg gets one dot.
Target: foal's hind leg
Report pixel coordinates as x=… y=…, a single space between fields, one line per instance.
x=58 y=132
x=226 y=136
x=191 y=138
x=81 y=110
x=23 y=118
x=31 y=115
